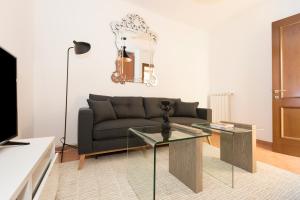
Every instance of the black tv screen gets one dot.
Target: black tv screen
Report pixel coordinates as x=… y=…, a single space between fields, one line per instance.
x=8 y=82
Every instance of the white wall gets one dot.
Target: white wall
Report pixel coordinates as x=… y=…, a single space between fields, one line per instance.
x=241 y=61
x=16 y=36
x=181 y=60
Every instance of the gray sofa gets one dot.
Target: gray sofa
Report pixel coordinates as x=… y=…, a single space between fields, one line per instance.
x=111 y=135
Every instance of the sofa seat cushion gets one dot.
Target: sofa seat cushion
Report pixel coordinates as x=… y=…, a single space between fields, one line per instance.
x=153 y=106
x=128 y=107
x=181 y=120
x=118 y=128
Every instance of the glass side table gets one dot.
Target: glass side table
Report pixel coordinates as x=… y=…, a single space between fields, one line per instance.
x=185 y=158
x=237 y=144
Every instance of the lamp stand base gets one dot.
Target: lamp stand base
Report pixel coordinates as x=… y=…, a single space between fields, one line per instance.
x=63 y=148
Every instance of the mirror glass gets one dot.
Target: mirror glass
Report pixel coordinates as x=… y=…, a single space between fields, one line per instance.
x=135 y=45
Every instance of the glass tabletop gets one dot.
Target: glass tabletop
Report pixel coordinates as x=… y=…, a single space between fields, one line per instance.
x=153 y=134
x=207 y=126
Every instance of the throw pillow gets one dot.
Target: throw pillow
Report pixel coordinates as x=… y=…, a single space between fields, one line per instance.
x=97 y=97
x=103 y=110
x=186 y=109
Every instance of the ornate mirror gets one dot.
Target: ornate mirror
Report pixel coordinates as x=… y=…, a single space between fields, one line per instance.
x=135 y=45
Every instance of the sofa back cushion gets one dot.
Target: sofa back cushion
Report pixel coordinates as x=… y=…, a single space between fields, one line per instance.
x=102 y=110
x=186 y=109
x=97 y=97
x=153 y=106
x=128 y=107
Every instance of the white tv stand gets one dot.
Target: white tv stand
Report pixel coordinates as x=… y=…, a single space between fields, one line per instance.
x=30 y=171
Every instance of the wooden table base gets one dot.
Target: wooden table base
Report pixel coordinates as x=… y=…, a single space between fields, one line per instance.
x=239 y=149
x=185 y=162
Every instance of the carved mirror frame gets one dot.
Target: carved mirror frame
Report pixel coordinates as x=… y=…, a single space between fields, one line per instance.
x=135 y=24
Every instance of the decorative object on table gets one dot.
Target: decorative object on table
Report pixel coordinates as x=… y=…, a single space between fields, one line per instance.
x=220 y=125
x=165 y=126
x=79 y=48
x=140 y=47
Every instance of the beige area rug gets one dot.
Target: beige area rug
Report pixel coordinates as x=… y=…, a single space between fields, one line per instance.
x=105 y=178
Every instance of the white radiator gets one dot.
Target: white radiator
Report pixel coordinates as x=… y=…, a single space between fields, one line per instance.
x=220 y=103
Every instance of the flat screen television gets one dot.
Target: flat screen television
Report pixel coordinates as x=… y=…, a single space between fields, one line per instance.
x=8 y=85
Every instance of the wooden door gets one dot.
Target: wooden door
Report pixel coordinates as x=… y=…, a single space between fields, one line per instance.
x=286 y=85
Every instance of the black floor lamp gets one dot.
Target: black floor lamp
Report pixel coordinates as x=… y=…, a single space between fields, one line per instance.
x=79 y=48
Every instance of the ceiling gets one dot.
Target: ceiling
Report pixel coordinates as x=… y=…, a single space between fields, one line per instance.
x=204 y=14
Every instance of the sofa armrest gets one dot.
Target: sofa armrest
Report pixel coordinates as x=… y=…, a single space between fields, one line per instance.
x=204 y=113
x=85 y=130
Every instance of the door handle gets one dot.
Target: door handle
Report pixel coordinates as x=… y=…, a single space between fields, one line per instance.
x=278 y=91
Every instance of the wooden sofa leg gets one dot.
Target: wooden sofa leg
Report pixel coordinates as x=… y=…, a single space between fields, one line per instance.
x=81 y=161
x=209 y=140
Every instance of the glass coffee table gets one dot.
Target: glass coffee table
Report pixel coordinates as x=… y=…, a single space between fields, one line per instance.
x=158 y=173
x=184 y=158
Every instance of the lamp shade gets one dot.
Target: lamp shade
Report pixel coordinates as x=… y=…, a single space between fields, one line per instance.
x=81 y=47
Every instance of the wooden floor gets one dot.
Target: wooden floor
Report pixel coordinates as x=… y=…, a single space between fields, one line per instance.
x=264 y=154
